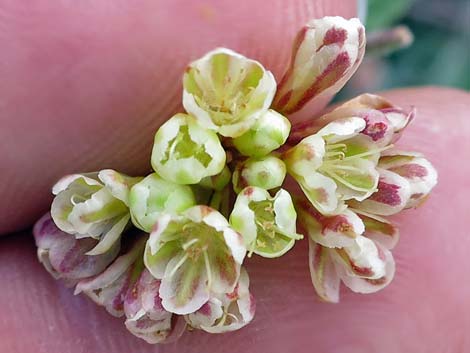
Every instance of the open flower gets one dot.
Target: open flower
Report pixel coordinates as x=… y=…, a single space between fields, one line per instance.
x=267 y=224
x=145 y=316
x=365 y=267
x=152 y=196
x=194 y=254
x=184 y=152
x=93 y=205
x=340 y=250
x=330 y=166
x=109 y=288
x=64 y=256
x=326 y=53
x=227 y=92
x=227 y=311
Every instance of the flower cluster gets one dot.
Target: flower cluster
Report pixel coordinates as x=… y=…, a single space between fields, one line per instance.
x=167 y=251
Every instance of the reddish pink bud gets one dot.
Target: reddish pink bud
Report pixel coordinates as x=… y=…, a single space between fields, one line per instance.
x=326 y=53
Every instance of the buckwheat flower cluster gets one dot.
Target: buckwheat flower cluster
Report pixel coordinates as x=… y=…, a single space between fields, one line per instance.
x=167 y=251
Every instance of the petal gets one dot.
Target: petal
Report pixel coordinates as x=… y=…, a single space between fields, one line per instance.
x=223 y=272
x=233 y=240
x=325 y=279
x=242 y=217
x=326 y=53
x=167 y=330
x=207 y=315
x=64 y=256
x=99 y=208
x=392 y=195
x=284 y=210
x=111 y=237
x=330 y=231
x=320 y=191
x=239 y=305
x=363 y=259
x=110 y=287
x=342 y=129
x=118 y=184
x=46 y=233
x=367 y=285
x=380 y=230
x=235 y=245
x=399 y=118
x=184 y=286
x=146 y=317
x=156 y=262
x=378 y=127
x=306 y=156
x=66 y=181
x=419 y=172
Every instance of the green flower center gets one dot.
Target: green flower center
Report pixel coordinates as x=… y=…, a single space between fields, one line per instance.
x=182 y=146
x=339 y=163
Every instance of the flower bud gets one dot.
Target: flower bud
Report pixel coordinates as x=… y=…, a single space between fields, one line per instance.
x=226 y=312
x=370 y=272
x=269 y=133
x=267 y=224
x=93 y=205
x=421 y=175
x=227 y=92
x=364 y=267
x=64 y=256
x=184 y=152
x=152 y=196
x=217 y=182
x=326 y=53
x=267 y=173
x=109 y=288
x=145 y=316
x=362 y=258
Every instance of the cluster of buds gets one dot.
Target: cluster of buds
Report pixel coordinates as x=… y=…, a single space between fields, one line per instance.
x=166 y=251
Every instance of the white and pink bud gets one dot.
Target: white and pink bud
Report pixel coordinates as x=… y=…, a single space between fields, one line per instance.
x=145 y=316
x=64 y=256
x=326 y=53
x=226 y=312
x=109 y=288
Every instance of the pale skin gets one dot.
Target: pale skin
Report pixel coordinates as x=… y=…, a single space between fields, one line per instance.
x=84 y=85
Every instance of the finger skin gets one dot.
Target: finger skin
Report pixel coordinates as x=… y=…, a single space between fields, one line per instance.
x=425 y=309
x=85 y=84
